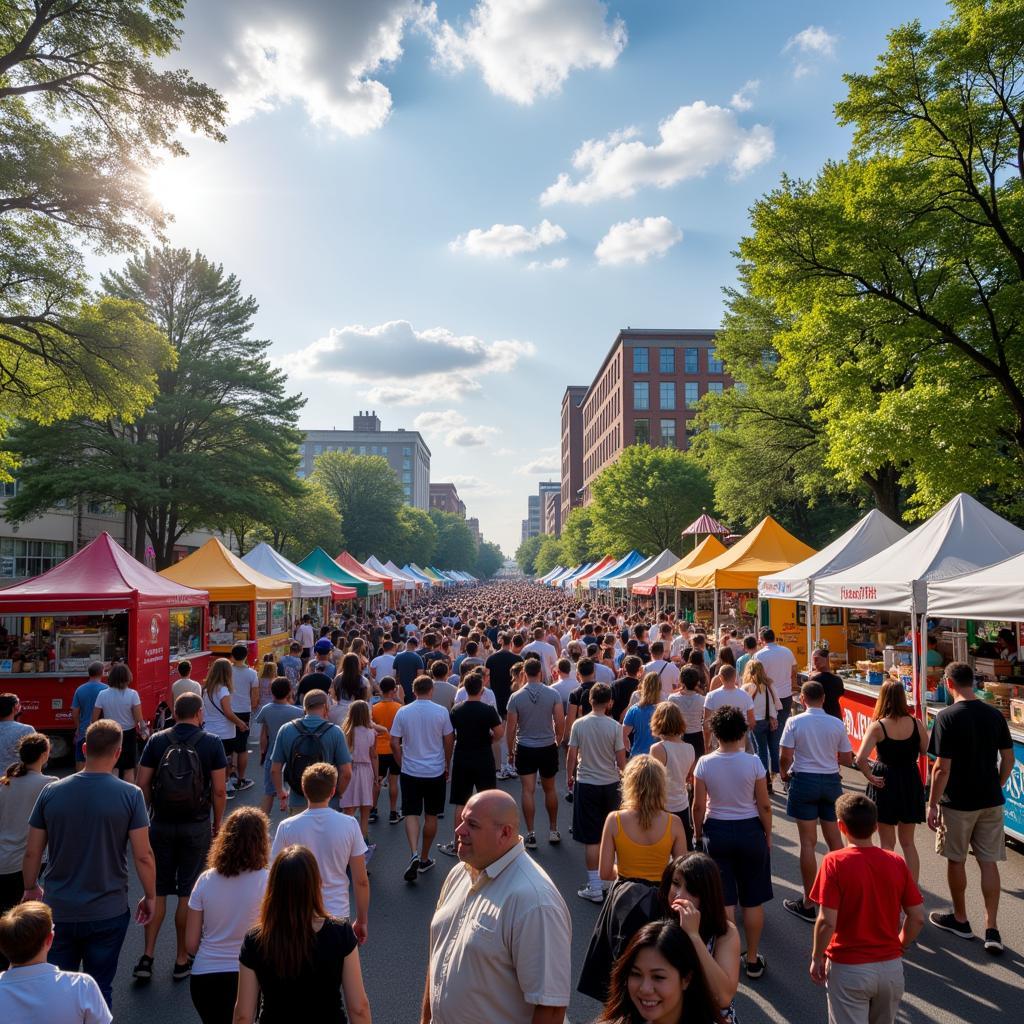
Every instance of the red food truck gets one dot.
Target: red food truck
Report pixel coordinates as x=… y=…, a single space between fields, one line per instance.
x=98 y=605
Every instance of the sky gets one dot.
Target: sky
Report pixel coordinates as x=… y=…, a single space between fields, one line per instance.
x=446 y=211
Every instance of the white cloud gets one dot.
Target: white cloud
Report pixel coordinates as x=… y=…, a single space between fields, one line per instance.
x=527 y=48
x=451 y=426
x=321 y=54
x=808 y=47
x=636 y=241
x=500 y=240
x=743 y=99
x=694 y=139
x=557 y=264
x=547 y=462
x=473 y=486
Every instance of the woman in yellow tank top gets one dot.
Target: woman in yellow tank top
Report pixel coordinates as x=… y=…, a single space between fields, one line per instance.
x=642 y=837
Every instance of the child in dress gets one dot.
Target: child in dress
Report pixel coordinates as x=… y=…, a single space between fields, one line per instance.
x=362 y=742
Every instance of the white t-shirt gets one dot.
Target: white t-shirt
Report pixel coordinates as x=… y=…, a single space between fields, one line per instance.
x=382 y=666
x=816 y=738
x=117 y=705
x=215 y=722
x=764 y=705
x=230 y=908
x=779 y=663
x=723 y=698
x=304 y=636
x=730 y=778
x=667 y=673
x=422 y=727
x=486 y=695
x=603 y=674
x=547 y=654
x=41 y=992
x=242 y=681
x=185 y=686
x=334 y=839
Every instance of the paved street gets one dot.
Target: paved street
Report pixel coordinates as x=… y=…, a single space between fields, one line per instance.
x=948 y=980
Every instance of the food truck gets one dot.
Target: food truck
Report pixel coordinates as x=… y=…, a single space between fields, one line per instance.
x=98 y=605
x=245 y=605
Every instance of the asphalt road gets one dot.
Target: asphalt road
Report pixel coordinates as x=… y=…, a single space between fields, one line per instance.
x=948 y=980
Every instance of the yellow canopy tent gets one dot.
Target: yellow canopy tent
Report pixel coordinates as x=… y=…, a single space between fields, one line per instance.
x=710 y=547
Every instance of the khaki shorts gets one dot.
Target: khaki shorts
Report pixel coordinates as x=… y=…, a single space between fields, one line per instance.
x=980 y=832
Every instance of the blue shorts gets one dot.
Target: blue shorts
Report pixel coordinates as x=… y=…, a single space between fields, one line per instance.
x=740 y=850
x=813 y=796
x=268 y=783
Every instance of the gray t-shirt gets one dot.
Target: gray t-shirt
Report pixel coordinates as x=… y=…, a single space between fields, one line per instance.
x=444 y=693
x=17 y=799
x=596 y=738
x=272 y=717
x=535 y=705
x=87 y=818
x=10 y=736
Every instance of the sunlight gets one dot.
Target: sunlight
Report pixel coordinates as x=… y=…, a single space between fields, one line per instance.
x=175 y=186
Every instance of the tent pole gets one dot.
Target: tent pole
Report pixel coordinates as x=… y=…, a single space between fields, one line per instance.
x=811 y=610
x=714 y=600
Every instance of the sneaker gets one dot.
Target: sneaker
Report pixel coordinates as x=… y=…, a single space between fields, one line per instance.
x=373 y=816
x=412 y=870
x=554 y=836
x=755 y=968
x=182 y=971
x=230 y=786
x=370 y=850
x=143 y=970
x=799 y=909
x=448 y=849
x=440 y=816
x=531 y=841
x=588 y=893
x=229 y=792
x=244 y=784
x=426 y=865
x=993 y=941
x=948 y=923
x=394 y=818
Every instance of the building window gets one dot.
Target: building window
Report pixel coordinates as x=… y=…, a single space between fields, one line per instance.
x=406 y=463
x=383 y=449
x=362 y=449
x=667 y=360
x=642 y=431
x=641 y=395
x=640 y=360
x=692 y=394
x=100 y=508
x=20 y=558
x=691 y=431
x=8 y=489
x=715 y=387
x=407 y=478
x=668 y=433
x=691 y=363
x=714 y=363
x=667 y=394
x=407 y=451
x=318 y=449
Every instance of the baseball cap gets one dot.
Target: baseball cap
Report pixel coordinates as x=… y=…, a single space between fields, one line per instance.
x=323 y=645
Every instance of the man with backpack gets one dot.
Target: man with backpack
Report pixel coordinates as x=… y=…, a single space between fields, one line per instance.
x=309 y=740
x=182 y=776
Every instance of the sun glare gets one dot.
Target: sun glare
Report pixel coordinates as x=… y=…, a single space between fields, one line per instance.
x=174 y=186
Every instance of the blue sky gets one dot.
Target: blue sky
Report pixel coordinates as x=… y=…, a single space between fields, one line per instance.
x=374 y=146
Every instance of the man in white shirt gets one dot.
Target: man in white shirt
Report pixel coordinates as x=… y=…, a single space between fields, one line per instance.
x=539 y=647
x=681 y=642
x=667 y=673
x=384 y=663
x=245 y=695
x=812 y=748
x=336 y=842
x=727 y=695
x=780 y=667
x=305 y=638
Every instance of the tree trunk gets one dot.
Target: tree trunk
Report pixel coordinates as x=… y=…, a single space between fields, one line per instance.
x=140 y=535
x=885 y=489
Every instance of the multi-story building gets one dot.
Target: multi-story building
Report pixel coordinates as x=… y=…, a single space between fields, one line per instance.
x=646 y=392
x=545 y=490
x=572 y=450
x=445 y=498
x=553 y=513
x=405 y=450
x=474 y=528
x=524 y=529
x=533 y=516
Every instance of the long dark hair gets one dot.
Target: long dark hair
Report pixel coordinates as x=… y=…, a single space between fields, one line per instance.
x=675 y=946
x=31 y=747
x=290 y=904
x=348 y=683
x=704 y=882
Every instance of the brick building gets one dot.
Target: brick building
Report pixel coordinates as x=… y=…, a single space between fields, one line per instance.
x=571 y=488
x=445 y=498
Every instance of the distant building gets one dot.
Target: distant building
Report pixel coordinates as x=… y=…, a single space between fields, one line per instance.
x=572 y=450
x=545 y=490
x=405 y=450
x=474 y=528
x=445 y=498
x=646 y=392
x=553 y=513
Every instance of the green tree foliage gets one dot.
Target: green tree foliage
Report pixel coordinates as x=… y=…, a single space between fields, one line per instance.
x=456 y=547
x=83 y=111
x=216 y=446
x=550 y=554
x=526 y=554
x=645 y=498
x=416 y=538
x=577 y=544
x=489 y=560
x=306 y=520
x=367 y=495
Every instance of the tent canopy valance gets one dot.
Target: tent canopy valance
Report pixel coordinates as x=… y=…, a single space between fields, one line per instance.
x=995 y=592
x=225 y=576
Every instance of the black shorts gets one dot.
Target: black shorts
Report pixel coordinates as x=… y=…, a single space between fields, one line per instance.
x=421 y=796
x=472 y=775
x=531 y=760
x=696 y=740
x=591 y=804
x=129 y=751
x=386 y=765
x=240 y=743
x=740 y=850
x=180 y=853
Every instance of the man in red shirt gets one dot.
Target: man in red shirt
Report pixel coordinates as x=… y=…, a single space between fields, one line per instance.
x=860 y=891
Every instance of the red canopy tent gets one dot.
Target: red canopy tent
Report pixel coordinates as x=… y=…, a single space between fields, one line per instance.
x=350 y=564
x=98 y=605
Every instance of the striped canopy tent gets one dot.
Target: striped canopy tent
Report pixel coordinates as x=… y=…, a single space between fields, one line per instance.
x=551 y=573
x=319 y=563
x=556 y=581
x=706 y=526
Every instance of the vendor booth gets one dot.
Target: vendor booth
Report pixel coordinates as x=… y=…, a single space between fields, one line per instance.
x=98 y=605
x=602 y=581
x=345 y=587
x=245 y=605
x=652 y=586
x=413 y=570
x=310 y=595
x=621 y=585
x=402 y=588
x=582 y=581
x=398 y=573
x=380 y=586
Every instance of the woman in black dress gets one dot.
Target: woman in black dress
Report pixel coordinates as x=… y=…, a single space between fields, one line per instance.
x=894 y=779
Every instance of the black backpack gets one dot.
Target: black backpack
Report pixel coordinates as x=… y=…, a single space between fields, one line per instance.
x=180 y=789
x=306 y=750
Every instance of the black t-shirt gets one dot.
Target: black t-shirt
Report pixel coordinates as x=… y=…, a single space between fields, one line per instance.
x=406 y=667
x=971 y=734
x=622 y=690
x=580 y=698
x=312 y=681
x=499 y=665
x=315 y=994
x=473 y=721
x=834 y=689
x=209 y=749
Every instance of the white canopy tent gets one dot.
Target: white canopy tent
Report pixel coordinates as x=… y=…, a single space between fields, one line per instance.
x=398 y=574
x=995 y=592
x=399 y=583
x=645 y=571
x=305 y=586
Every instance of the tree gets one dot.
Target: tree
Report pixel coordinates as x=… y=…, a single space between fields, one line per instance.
x=645 y=498
x=489 y=560
x=367 y=495
x=416 y=539
x=83 y=112
x=306 y=520
x=549 y=555
x=456 y=548
x=217 y=444
x=526 y=554
x=576 y=536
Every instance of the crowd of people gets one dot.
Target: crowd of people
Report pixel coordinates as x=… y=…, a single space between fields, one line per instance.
x=674 y=743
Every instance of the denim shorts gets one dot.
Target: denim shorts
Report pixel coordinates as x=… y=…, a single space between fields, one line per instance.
x=268 y=783
x=813 y=796
x=740 y=850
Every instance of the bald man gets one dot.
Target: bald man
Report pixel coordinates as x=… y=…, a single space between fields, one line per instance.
x=500 y=939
